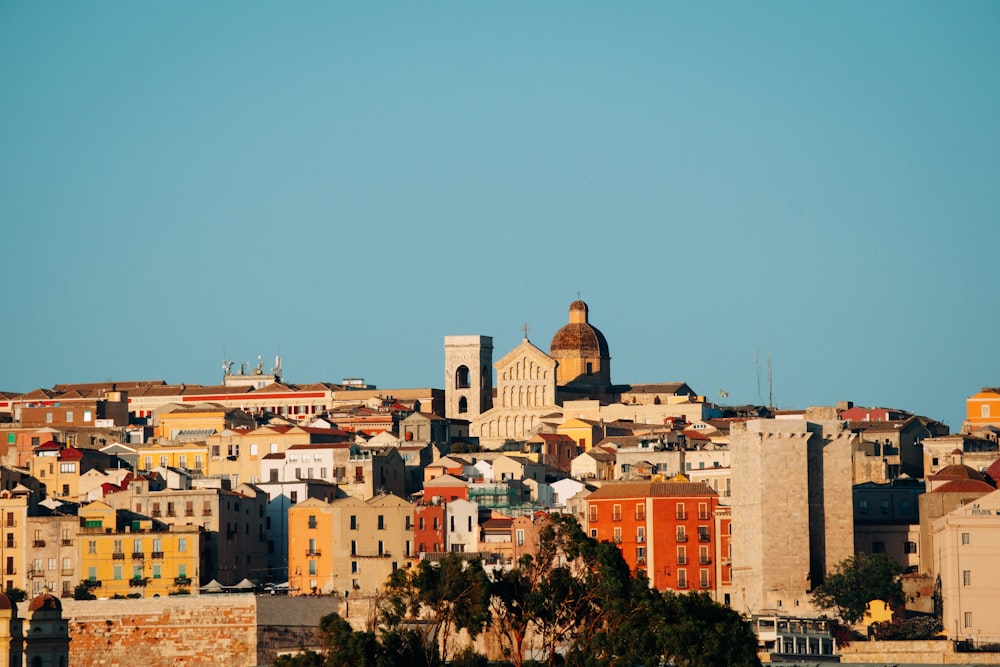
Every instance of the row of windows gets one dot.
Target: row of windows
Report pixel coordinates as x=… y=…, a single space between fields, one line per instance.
x=904 y=506
x=680 y=512
x=157 y=543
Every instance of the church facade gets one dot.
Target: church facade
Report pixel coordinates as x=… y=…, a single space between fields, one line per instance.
x=531 y=384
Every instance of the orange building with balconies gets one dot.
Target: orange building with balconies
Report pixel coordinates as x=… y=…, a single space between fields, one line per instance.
x=666 y=529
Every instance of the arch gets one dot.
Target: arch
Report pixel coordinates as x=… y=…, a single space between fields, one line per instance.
x=462 y=377
x=463 y=405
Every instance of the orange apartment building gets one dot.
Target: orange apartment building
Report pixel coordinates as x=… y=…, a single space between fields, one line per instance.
x=982 y=409
x=667 y=529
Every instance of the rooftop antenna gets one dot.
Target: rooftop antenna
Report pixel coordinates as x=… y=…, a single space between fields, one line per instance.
x=525 y=328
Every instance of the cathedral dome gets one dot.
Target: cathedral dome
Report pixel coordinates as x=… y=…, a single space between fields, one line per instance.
x=579 y=336
x=5 y=603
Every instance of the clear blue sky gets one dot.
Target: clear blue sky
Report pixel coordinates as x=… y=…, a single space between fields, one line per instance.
x=347 y=183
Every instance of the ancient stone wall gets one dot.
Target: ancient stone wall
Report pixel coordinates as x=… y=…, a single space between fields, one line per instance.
x=191 y=631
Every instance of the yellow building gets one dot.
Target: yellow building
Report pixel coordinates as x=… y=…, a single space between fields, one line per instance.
x=175 y=421
x=191 y=456
x=583 y=432
x=130 y=558
x=13 y=547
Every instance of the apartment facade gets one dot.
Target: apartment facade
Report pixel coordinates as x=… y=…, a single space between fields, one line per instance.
x=666 y=529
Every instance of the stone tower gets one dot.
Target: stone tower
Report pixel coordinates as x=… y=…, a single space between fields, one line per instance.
x=468 y=376
x=47 y=643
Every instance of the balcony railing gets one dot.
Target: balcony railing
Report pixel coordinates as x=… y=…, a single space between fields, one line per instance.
x=66 y=542
x=682 y=537
x=118 y=555
x=681 y=516
x=640 y=561
x=617 y=516
x=704 y=537
x=704 y=583
x=137 y=581
x=188 y=512
x=32 y=573
x=704 y=516
x=182 y=581
x=38 y=543
x=640 y=516
x=313 y=552
x=682 y=560
x=157 y=513
x=157 y=554
x=66 y=572
x=138 y=555
x=705 y=560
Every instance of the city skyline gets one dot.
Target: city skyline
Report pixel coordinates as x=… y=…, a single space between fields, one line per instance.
x=346 y=185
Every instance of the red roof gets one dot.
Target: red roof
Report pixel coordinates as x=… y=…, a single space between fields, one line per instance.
x=965 y=486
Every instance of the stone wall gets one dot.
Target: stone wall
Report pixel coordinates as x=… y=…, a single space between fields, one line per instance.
x=940 y=652
x=191 y=631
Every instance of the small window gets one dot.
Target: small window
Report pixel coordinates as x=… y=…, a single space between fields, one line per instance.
x=965 y=538
x=968 y=619
x=966 y=577
x=909 y=547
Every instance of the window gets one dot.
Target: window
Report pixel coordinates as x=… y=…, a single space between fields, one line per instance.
x=965 y=538
x=354 y=567
x=984 y=410
x=69 y=416
x=48 y=417
x=147 y=462
x=593 y=513
x=182 y=570
x=640 y=556
x=682 y=579
x=966 y=577
x=157 y=571
x=640 y=534
x=253 y=449
x=157 y=545
x=681 y=534
x=312 y=520
x=182 y=544
x=91 y=546
x=463 y=405
x=885 y=507
x=67 y=467
x=117 y=573
x=703 y=579
x=681 y=514
x=87 y=415
x=968 y=619
x=909 y=547
x=312 y=568
x=640 y=512
x=462 y=377
x=862 y=507
x=682 y=555
x=381 y=522
x=618 y=533
x=197 y=461
x=616 y=513
x=354 y=548
x=878 y=547
x=92 y=573
x=519 y=537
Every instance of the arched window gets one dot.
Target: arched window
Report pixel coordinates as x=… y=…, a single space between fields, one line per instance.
x=463 y=404
x=909 y=547
x=462 y=377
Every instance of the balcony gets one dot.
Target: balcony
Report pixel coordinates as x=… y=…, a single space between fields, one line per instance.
x=188 y=512
x=640 y=561
x=704 y=583
x=138 y=555
x=156 y=513
x=704 y=537
x=682 y=560
x=10 y=523
x=66 y=572
x=157 y=554
x=681 y=516
x=705 y=561
x=640 y=516
x=118 y=555
x=66 y=542
x=313 y=553
x=206 y=512
x=617 y=516
x=682 y=537
x=137 y=581
x=33 y=573
x=704 y=516
x=182 y=581
x=640 y=538
x=359 y=480
x=38 y=544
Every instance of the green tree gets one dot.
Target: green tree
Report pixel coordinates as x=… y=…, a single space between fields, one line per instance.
x=344 y=646
x=303 y=659
x=82 y=591
x=446 y=597
x=856 y=582
x=699 y=632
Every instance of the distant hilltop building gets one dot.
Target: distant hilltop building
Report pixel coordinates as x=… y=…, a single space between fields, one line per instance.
x=536 y=390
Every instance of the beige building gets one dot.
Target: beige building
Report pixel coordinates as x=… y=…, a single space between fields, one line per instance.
x=349 y=546
x=468 y=376
x=791 y=509
x=967 y=541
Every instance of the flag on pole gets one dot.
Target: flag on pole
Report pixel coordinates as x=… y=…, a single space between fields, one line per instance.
x=723 y=394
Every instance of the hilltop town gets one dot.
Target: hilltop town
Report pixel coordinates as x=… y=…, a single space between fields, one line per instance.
x=129 y=490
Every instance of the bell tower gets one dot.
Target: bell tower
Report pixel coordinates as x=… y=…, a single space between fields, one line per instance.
x=468 y=376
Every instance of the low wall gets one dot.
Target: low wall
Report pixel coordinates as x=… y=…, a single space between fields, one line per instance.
x=917 y=652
